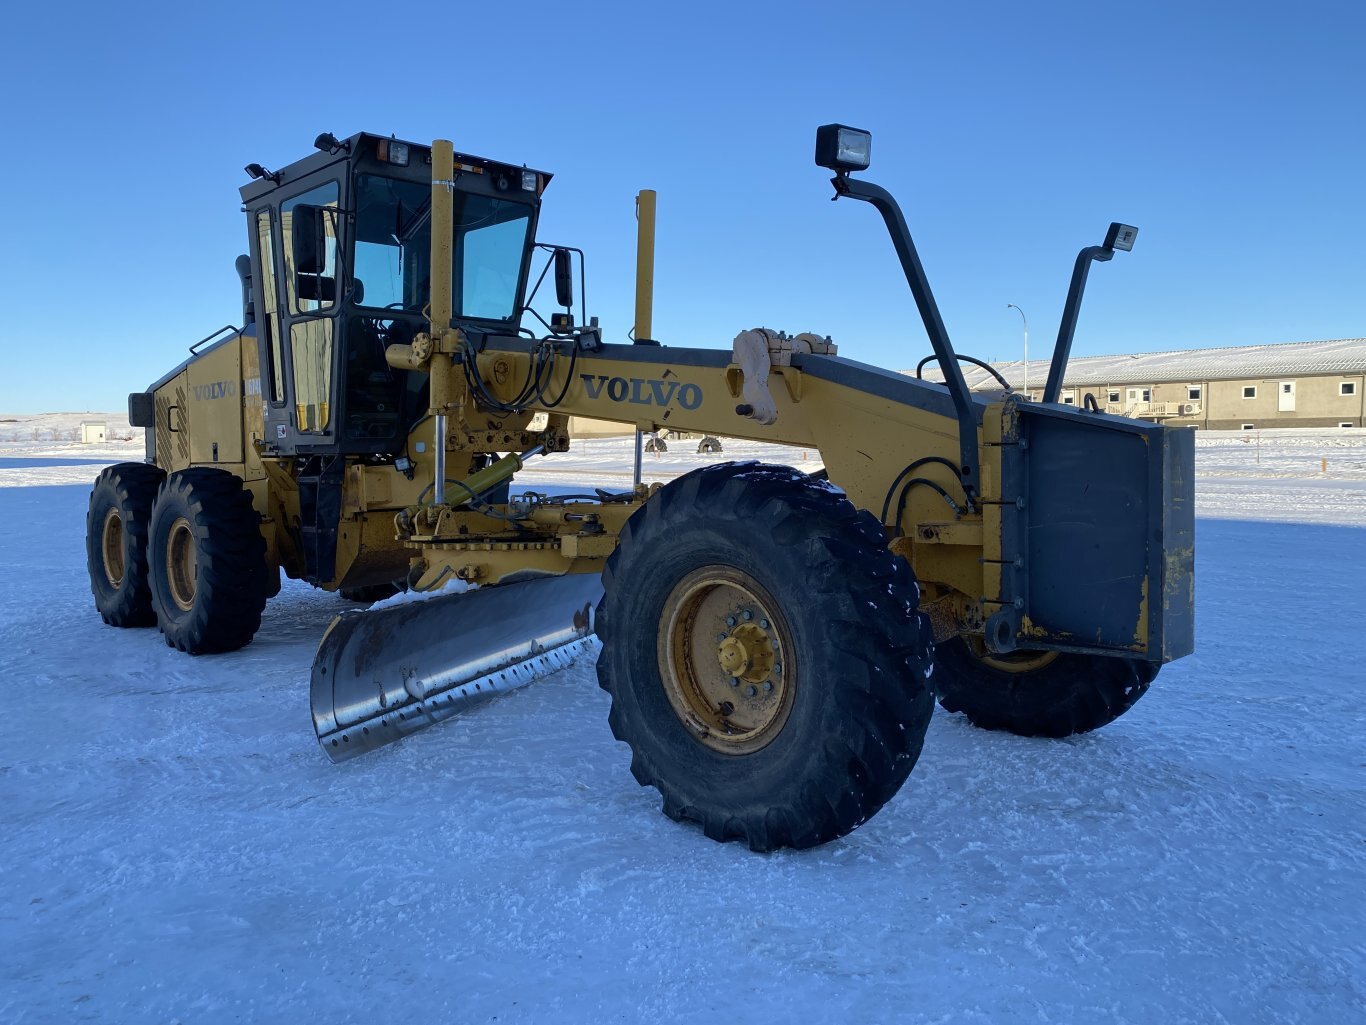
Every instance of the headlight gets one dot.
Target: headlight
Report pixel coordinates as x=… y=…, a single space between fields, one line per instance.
x=1121 y=237
x=393 y=152
x=528 y=181
x=842 y=148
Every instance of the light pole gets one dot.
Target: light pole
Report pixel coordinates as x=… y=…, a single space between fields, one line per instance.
x=1012 y=306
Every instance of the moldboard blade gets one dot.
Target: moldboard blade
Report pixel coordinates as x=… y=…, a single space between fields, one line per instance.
x=381 y=675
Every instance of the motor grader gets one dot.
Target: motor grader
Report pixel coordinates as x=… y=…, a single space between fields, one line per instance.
x=773 y=641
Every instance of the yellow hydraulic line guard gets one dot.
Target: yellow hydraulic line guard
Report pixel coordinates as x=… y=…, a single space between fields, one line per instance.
x=645 y=265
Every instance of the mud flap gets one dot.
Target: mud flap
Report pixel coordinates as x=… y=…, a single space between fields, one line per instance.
x=379 y=676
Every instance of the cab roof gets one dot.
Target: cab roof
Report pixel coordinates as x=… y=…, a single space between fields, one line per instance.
x=362 y=147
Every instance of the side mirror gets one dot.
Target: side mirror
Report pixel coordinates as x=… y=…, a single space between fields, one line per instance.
x=564 y=278
x=316 y=287
x=308 y=242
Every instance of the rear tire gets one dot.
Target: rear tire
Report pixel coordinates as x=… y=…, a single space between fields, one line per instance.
x=1064 y=695
x=833 y=629
x=208 y=568
x=116 y=528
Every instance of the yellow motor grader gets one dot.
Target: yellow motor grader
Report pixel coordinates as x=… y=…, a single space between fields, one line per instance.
x=773 y=641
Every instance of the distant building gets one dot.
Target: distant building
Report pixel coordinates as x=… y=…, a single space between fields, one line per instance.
x=1289 y=384
x=92 y=432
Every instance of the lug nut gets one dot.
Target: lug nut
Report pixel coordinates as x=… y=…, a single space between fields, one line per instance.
x=730 y=621
x=735 y=681
x=748 y=614
x=720 y=638
x=751 y=691
x=768 y=685
x=777 y=668
x=763 y=624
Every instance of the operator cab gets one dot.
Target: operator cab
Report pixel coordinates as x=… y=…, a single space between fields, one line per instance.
x=340 y=269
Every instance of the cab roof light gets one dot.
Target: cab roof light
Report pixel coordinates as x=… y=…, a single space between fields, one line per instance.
x=391 y=151
x=843 y=149
x=328 y=143
x=257 y=171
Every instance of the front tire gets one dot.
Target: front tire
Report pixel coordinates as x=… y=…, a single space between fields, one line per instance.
x=208 y=569
x=116 y=527
x=764 y=655
x=1033 y=694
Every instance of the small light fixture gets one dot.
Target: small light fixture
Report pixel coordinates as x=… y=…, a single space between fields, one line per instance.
x=1121 y=237
x=258 y=171
x=391 y=151
x=327 y=142
x=843 y=149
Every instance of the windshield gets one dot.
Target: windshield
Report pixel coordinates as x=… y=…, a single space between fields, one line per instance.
x=393 y=249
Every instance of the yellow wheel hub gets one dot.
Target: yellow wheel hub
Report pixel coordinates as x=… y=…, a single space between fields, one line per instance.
x=111 y=547
x=722 y=658
x=1013 y=662
x=747 y=653
x=182 y=564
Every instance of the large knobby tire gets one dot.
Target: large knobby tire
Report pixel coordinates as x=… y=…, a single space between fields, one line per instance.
x=208 y=568
x=116 y=528
x=1033 y=694
x=761 y=572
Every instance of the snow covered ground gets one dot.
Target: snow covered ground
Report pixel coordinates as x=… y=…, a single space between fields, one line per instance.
x=175 y=848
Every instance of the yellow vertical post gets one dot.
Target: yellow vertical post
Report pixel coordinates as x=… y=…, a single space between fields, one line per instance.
x=645 y=265
x=442 y=305
x=443 y=172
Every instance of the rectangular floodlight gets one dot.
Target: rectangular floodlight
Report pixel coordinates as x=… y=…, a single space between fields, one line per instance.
x=842 y=148
x=1121 y=237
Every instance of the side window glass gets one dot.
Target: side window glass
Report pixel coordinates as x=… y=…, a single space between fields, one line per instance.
x=319 y=292
x=310 y=338
x=270 y=298
x=491 y=262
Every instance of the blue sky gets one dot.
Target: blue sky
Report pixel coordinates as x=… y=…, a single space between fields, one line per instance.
x=1012 y=134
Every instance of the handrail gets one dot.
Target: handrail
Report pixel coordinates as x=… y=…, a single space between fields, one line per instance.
x=209 y=337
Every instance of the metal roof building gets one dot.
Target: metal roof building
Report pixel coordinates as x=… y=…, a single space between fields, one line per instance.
x=1281 y=359
x=1286 y=384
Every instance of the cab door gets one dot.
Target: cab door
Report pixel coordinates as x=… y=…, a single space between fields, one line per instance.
x=297 y=328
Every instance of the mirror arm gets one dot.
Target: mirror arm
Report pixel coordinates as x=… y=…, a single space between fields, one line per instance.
x=883 y=202
x=1062 y=351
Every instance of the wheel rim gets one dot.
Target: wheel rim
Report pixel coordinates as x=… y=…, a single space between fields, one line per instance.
x=1011 y=662
x=724 y=657
x=181 y=564
x=111 y=546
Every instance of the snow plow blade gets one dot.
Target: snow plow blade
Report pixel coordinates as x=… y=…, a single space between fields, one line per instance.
x=379 y=676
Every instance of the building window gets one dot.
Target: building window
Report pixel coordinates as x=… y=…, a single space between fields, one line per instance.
x=1147 y=394
x=1347 y=388
x=1113 y=397
x=1249 y=392
x=1347 y=424
x=1067 y=400
x=1287 y=388
x=1193 y=392
x=1248 y=427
